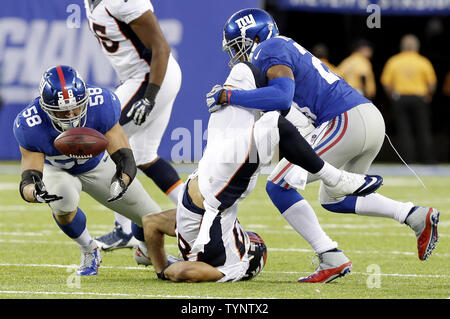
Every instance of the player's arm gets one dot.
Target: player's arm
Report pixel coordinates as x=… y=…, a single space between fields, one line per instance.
x=191 y=271
x=148 y=31
x=32 y=188
x=277 y=95
x=122 y=155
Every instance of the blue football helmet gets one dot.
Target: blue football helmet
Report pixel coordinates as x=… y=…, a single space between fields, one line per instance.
x=257 y=254
x=242 y=28
x=64 y=97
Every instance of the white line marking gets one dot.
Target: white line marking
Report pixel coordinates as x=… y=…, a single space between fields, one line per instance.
x=264 y=271
x=80 y=293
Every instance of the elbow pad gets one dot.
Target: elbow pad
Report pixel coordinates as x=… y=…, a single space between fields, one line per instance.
x=125 y=163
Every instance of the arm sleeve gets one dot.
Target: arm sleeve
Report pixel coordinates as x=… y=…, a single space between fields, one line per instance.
x=277 y=95
x=129 y=10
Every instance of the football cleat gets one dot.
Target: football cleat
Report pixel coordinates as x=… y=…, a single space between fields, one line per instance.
x=332 y=265
x=142 y=259
x=116 y=239
x=352 y=184
x=91 y=258
x=424 y=221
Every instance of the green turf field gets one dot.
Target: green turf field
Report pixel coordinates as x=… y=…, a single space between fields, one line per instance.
x=38 y=261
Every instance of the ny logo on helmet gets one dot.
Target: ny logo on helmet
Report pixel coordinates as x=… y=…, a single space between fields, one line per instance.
x=246 y=22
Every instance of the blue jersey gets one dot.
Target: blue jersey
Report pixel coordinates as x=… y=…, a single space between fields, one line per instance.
x=320 y=93
x=34 y=130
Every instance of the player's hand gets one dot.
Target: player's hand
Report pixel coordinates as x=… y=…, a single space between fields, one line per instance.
x=117 y=189
x=140 y=110
x=213 y=98
x=40 y=193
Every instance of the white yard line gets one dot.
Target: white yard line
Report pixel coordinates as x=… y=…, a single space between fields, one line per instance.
x=265 y=271
x=99 y=294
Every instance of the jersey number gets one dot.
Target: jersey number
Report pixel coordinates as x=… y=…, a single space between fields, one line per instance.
x=100 y=32
x=32 y=118
x=327 y=75
x=95 y=96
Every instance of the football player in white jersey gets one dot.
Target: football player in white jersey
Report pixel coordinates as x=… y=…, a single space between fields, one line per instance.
x=213 y=243
x=150 y=77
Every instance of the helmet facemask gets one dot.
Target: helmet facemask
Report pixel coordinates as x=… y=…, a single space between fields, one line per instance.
x=238 y=49
x=241 y=48
x=56 y=113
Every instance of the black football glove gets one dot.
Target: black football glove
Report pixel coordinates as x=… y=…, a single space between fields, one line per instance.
x=41 y=194
x=140 y=110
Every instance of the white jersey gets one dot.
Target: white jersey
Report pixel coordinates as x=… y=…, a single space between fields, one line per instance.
x=230 y=164
x=109 y=20
x=226 y=174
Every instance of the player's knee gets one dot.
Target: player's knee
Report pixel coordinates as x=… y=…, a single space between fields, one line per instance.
x=69 y=201
x=281 y=197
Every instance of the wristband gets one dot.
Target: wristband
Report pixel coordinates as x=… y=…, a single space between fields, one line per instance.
x=151 y=91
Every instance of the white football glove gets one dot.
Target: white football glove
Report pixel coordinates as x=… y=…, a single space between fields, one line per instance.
x=140 y=110
x=212 y=98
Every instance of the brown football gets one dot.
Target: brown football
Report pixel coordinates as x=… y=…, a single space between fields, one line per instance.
x=81 y=142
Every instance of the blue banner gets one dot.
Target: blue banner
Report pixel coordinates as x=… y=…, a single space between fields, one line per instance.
x=389 y=7
x=36 y=35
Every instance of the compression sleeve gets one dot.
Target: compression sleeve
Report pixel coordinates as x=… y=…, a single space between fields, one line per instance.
x=277 y=95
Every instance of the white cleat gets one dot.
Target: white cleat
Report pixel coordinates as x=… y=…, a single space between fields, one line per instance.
x=354 y=185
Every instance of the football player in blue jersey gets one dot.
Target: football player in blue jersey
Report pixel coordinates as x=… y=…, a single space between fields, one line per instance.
x=349 y=131
x=50 y=177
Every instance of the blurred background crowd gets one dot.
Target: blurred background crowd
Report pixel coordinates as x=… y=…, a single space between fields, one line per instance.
x=402 y=64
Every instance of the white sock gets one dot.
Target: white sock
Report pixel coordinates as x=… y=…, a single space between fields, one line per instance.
x=303 y=219
x=329 y=174
x=379 y=206
x=84 y=239
x=124 y=222
x=173 y=194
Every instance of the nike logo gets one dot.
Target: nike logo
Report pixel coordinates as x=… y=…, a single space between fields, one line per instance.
x=257 y=55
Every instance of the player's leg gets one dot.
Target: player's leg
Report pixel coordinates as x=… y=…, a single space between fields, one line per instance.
x=70 y=218
x=366 y=128
x=301 y=216
x=273 y=129
x=135 y=203
x=294 y=208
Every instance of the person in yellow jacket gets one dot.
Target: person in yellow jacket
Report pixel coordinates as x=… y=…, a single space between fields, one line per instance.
x=409 y=80
x=357 y=70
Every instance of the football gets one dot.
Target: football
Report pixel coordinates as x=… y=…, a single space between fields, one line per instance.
x=81 y=142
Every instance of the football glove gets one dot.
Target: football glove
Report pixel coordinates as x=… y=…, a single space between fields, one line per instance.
x=140 y=110
x=212 y=98
x=117 y=188
x=41 y=194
